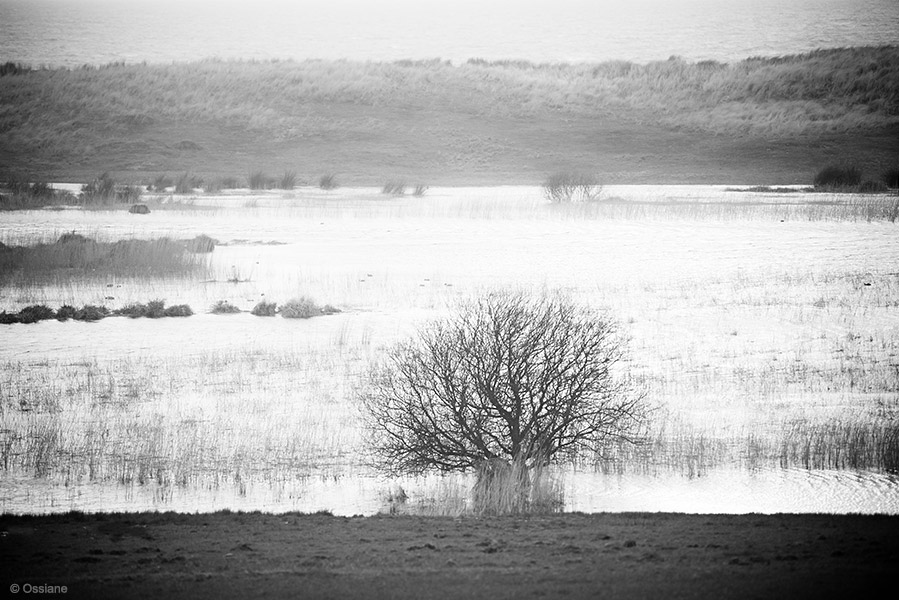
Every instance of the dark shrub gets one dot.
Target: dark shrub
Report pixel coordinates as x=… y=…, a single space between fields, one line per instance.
x=300 y=308
x=835 y=177
x=872 y=187
x=891 y=178
x=571 y=187
x=420 y=190
x=201 y=244
x=178 y=310
x=11 y=68
x=41 y=189
x=155 y=309
x=90 y=312
x=265 y=309
x=74 y=238
x=35 y=313
x=129 y=193
x=66 y=312
x=134 y=310
x=328 y=182
x=223 y=307
x=8 y=318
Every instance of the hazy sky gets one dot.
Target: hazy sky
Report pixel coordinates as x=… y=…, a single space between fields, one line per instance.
x=71 y=32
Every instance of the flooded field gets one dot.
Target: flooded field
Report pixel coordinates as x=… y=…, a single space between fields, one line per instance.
x=762 y=326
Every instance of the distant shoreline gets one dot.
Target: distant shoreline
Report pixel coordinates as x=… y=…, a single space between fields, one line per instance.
x=760 y=121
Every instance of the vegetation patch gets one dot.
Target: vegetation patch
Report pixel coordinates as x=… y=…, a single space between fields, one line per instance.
x=848 y=179
x=76 y=254
x=571 y=187
x=304 y=307
x=188 y=183
x=104 y=190
x=265 y=309
x=288 y=180
x=223 y=307
x=258 y=180
x=328 y=182
x=153 y=309
x=201 y=244
x=16 y=194
x=178 y=310
x=394 y=188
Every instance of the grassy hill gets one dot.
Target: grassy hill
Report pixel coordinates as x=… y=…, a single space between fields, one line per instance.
x=761 y=120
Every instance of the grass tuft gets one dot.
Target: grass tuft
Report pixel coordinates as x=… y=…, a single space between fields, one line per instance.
x=202 y=244
x=288 y=180
x=223 y=307
x=258 y=180
x=304 y=307
x=571 y=187
x=394 y=188
x=178 y=310
x=265 y=309
x=328 y=182
x=75 y=254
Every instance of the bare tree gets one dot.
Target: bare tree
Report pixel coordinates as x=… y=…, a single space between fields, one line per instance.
x=510 y=377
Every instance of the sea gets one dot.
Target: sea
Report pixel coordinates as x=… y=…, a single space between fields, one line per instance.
x=71 y=33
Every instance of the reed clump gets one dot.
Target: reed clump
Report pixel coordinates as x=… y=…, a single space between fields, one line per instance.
x=74 y=254
x=223 y=307
x=304 y=307
x=265 y=308
x=571 y=187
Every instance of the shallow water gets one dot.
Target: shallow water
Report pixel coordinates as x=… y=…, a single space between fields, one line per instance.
x=390 y=263
x=722 y=491
x=76 y=32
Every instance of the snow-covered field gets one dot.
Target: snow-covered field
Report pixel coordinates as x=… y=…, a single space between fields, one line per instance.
x=764 y=327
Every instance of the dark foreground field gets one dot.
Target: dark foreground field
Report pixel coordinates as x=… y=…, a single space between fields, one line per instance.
x=573 y=556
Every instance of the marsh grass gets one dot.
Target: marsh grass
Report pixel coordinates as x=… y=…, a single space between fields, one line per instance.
x=154 y=309
x=571 y=187
x=74 y=255
x=216 y=420
x=300 y=308
x=265 y=308
x=104 y=190
x=258 y=180
x=394 y=188
x=328 y=182
x=288 y=180
x=752 y=365
x=187 y=183
x=223 y=307
x=16 y=194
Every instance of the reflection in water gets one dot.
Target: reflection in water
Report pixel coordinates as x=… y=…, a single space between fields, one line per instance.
x=725 y=491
